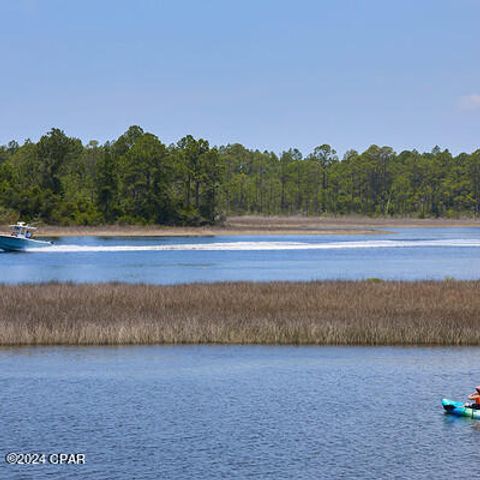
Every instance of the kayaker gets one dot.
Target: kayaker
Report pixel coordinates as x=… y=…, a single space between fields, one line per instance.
x=475 y=396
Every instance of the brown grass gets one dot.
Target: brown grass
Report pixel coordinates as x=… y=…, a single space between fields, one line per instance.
x=225 y=230
x=258 y=225
x=323 y=313
x=344 y=222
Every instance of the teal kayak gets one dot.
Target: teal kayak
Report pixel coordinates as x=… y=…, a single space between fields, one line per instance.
x=459 y=409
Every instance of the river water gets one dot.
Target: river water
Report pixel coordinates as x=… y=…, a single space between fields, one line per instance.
x=182 y=412
x=406 y=254
x=239 y=412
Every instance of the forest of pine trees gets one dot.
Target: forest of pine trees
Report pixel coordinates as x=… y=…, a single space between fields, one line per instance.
x=137 y=179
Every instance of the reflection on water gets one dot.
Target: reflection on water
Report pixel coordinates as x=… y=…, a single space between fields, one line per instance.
x=240 y=412
x=405 y=254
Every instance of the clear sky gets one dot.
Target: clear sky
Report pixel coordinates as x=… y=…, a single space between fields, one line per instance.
x=270 y=74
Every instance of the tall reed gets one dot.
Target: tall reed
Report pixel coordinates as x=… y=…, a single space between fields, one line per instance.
x=323 y=313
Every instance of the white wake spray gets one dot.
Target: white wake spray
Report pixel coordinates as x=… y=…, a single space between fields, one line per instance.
x=255 y=246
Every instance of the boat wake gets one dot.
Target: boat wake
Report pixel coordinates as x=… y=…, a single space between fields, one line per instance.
x=255 y=246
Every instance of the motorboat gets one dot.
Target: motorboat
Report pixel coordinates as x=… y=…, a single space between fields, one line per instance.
x=21 y=238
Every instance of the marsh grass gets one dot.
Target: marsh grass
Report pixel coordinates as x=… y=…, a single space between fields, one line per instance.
x=323 y=313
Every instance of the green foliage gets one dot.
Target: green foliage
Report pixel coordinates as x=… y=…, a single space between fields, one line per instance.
x=137 y=179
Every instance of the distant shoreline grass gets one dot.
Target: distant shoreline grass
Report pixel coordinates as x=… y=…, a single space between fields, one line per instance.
x=263 y=225
x=297 y=313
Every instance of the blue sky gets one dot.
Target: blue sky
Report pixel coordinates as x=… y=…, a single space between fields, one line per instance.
x=269 y=74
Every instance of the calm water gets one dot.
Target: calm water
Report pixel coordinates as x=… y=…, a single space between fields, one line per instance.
x=405 y=254
x=239 y=412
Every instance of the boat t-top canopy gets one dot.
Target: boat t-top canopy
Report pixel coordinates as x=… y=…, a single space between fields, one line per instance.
x=22 y=230
x=20 y=225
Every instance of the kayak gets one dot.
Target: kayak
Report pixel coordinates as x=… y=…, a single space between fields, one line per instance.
x=459 y=409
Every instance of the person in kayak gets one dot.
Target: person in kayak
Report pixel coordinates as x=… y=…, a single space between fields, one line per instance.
x=475 y=397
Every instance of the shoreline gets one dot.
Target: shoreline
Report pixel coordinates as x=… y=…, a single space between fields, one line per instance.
x=368 y=312
x=257 y=225
x=157 y=231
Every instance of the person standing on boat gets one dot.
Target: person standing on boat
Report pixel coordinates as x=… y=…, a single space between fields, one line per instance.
x=475 y=397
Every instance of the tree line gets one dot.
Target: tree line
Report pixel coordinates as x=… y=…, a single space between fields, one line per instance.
x=137 y=179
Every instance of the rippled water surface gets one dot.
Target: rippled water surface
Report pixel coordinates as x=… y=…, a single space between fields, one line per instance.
x=240 y=412
x=418 y=253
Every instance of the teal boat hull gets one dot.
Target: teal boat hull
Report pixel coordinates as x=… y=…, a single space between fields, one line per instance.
x=10 y=243
x=459 y=409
